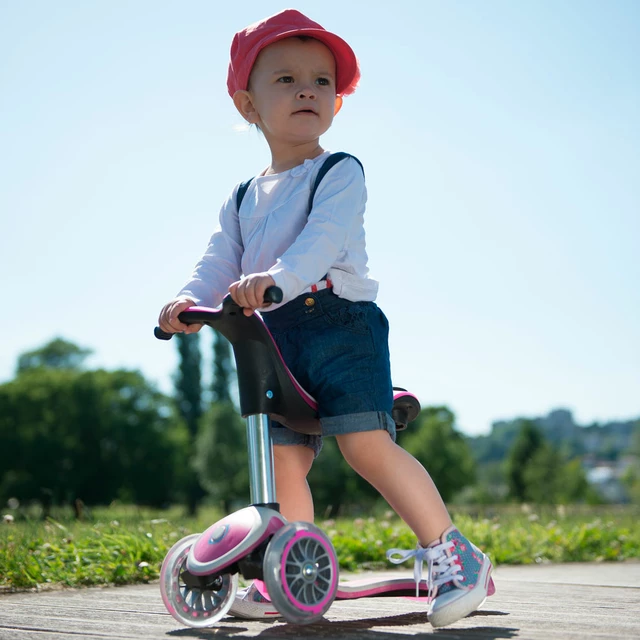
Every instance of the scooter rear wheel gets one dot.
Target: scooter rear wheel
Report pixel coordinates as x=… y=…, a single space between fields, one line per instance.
x=196 y=601
x=301 y=572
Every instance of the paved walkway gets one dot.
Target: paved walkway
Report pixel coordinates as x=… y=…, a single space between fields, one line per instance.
x=581 y=601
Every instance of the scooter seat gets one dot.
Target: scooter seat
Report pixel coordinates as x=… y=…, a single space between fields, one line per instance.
x=266 y=384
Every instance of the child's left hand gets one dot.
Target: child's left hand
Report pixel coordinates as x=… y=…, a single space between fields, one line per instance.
x=249 y=292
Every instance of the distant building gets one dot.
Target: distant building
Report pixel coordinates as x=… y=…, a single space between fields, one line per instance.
x=605 y=478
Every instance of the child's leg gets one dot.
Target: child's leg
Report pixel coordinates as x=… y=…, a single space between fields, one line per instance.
x=292 y=464
x=459 y=574
x=401 y=480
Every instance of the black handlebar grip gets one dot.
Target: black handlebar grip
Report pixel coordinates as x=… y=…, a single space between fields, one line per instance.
x=271 y=294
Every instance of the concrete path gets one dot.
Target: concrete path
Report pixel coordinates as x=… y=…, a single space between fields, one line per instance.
x=581 y=601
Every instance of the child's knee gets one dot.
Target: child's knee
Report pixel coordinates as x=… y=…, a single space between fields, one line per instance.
x=363 y=449
x=293 y=461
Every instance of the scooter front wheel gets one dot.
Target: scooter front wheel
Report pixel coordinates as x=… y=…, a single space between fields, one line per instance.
x=196 y=601
x=301 y=572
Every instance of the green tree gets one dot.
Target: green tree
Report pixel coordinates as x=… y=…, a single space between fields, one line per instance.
x=631 y=477
x=189 y=400
x=634 y=448
x=443 y=450
x=631 y=481
x=57 y=354
x=528 y=441
x=537 y=471
x=550 y=479
x=221 y=449
x=574 y=486
x=221 y=456
x=223 y=369
x=90 y=435
x=542 y=475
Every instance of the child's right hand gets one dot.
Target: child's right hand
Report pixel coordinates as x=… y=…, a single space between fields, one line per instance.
x=168 y=319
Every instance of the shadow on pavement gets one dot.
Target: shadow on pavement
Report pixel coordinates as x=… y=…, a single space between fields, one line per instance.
x=353 y=629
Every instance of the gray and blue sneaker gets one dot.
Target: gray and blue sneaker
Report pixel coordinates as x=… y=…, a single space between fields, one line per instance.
x=458 y=576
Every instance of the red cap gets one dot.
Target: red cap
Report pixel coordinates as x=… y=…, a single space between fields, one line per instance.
x=248 y=43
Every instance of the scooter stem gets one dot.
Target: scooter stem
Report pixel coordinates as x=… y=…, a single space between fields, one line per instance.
x=261 y=473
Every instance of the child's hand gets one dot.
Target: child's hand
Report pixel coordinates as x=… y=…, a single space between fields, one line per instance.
x=168 y=320
x=249 y=292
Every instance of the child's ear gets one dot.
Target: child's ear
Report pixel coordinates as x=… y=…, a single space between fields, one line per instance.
x=338 y=105
x=244 y=104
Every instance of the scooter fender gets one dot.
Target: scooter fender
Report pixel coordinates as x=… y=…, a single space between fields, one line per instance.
x=231 y=538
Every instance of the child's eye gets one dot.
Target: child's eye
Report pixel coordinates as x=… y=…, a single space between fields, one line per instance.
x=323 y=81
x=286 y=79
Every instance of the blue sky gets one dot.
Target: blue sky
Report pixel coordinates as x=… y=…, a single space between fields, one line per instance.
x=501 y=142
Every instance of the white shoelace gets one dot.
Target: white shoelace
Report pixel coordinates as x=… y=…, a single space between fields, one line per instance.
x=441 y=568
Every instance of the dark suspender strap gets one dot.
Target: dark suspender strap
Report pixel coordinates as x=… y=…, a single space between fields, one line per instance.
x=242 y=190
x=327 y=165
x=330 y=162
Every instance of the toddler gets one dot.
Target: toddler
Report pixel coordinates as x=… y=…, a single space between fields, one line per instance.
x=288 y=76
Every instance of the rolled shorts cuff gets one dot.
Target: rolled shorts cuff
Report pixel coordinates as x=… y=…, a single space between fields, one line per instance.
x=357 y=422
x=281 y=435
x=335 y=426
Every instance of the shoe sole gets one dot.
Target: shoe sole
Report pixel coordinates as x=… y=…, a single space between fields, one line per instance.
x=464 y=605
x=256 y=613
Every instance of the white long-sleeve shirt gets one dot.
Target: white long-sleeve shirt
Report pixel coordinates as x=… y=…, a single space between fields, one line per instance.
x=275 y=233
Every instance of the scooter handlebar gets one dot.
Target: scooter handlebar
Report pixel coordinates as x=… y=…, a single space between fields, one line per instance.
x=271 y=295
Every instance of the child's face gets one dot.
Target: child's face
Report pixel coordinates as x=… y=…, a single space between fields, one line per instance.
x=292 y=95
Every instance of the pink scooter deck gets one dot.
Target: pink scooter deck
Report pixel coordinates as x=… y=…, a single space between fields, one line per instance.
x=394 y=587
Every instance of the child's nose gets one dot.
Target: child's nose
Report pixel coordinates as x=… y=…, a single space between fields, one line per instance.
x=306 y=92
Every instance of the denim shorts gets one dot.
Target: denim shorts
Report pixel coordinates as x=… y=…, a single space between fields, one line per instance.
x=338 y=351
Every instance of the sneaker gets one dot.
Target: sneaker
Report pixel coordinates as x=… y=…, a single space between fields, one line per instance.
x=458 y=578
x=252 y=605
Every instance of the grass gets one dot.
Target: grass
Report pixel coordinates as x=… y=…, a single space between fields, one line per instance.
x=126 y=545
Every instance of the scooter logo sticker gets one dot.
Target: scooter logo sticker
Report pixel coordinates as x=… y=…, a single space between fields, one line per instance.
x=219 y=533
